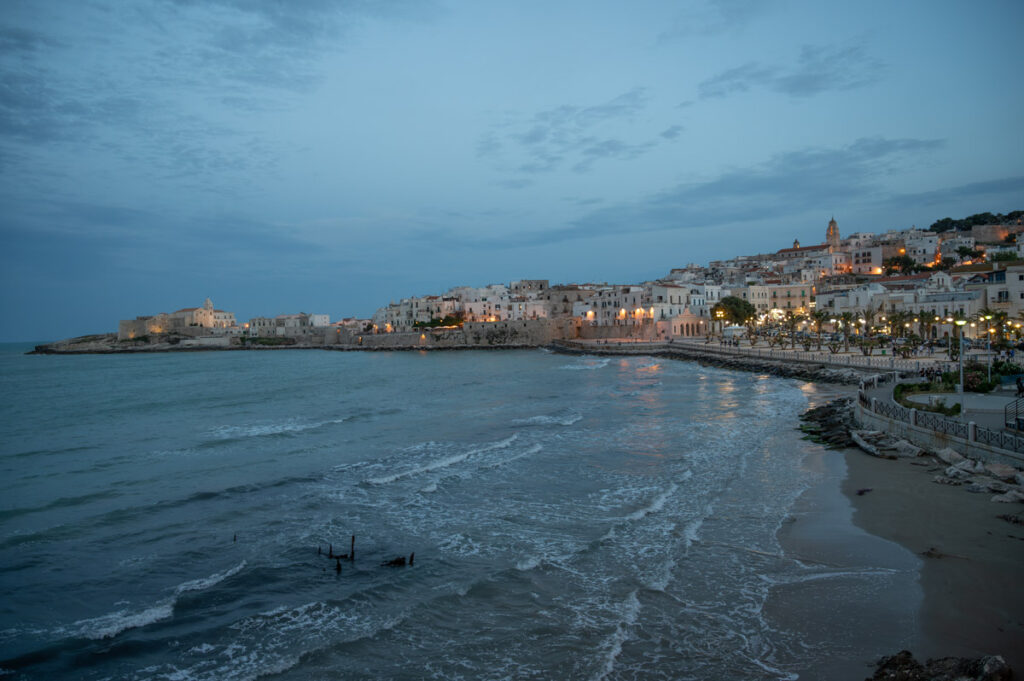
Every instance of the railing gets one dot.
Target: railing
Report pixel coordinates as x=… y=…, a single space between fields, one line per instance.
x=890 y=363
x=1013 y=415
x=1001 y=439
x=1012 y=444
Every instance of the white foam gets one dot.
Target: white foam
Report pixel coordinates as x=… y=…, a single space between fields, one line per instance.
x=443 y=462
x=258 y=430
x=112 y=624
x=432 y=487
x=587 y=364
x=207 y=582
x=654 y=506
x=630 y=614
x=542 y=420
x=532 y=449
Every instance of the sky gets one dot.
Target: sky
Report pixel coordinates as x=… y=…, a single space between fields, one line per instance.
x=331 y=156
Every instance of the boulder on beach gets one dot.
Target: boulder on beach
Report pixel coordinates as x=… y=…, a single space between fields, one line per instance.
x=903 y=667
x=1013 y=496
x=949 y=456
x=1001 y=471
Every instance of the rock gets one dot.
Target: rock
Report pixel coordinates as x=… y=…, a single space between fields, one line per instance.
x=957 y=473
x=859 y=439
x=1001 y=471
x=1011 y=497
x=946 y=481
x=906 y=450
x=1019 y=479
x=903 y=667
x=949 y=455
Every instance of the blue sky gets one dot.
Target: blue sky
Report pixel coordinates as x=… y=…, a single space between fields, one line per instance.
x=330 y=156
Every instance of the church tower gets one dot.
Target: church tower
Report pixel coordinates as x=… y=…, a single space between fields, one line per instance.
x=796 y=243
x=832 y=235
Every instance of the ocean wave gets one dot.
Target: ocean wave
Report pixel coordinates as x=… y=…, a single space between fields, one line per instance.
x=260 y=430
x=207 y=582
x=112 y=624
x=444 y=462
x=587 y=364
x=529 y=451
x=613 y=646
x=656 y=505
x=566 y=418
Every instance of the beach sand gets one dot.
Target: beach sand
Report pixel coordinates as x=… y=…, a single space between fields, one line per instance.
x=870 y=592
x=974 y=597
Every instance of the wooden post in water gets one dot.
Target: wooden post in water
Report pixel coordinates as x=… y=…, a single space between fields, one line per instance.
x=352 y=551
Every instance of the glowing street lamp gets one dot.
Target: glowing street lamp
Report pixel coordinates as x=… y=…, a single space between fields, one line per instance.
x=960 y=323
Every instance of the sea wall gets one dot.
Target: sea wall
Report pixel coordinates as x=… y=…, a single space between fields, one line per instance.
x=934 y=440
x=524 y=333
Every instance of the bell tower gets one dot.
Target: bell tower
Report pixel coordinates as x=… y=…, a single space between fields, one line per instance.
x=832 y=235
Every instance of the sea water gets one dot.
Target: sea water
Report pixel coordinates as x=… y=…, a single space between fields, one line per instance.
x=168 y=516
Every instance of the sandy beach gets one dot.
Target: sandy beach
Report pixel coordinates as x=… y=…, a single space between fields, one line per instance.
x=968 y=602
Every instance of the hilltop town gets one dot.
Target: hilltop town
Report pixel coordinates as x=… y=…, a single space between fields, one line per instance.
x=925 y=279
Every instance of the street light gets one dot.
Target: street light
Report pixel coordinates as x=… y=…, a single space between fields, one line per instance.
x=960 y=388
x=988 y=339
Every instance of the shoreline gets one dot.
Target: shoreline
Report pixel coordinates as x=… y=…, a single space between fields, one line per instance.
x=967 y=603
x=973 y=603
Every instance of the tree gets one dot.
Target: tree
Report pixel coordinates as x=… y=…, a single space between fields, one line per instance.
x=792 y=320
x=1005 y=256
x=819 y=316
x=900 y=263
x=734 y=309
x=847 y=321
x=898 y=322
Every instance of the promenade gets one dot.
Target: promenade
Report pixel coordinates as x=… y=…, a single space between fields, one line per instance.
x=980 y=424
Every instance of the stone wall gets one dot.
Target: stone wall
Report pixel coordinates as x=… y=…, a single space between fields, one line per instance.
x=531 y=332
x=932 y=440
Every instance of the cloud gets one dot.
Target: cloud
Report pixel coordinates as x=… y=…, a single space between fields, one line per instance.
x=150 y=98
x=569 y=135
x=672 y=132
x=786 y=184
x=713 y=17
x=1011 y=188
x=819 y=68
x=737 y=79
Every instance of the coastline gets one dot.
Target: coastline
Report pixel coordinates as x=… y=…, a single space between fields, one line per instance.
x=967 y=603
x=973 y=603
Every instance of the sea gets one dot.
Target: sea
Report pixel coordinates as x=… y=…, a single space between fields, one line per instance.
x=172 y=516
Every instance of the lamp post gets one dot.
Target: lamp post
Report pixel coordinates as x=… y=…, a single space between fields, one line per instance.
x=960 y=323
x=988 y=339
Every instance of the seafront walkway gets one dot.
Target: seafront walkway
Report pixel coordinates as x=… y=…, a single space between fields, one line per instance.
x=855 y=360
x=979 y=430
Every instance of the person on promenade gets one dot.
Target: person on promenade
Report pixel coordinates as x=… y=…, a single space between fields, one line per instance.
x=1020 y=387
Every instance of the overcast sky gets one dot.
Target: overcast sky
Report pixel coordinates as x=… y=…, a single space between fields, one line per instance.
x=330 y=156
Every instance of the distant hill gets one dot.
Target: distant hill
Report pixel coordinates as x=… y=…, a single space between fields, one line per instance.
x=946 y=224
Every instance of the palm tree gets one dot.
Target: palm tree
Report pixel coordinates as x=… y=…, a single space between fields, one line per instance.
x=819 y=316
x=847 y=320
x=899 y=321
x=792 y=320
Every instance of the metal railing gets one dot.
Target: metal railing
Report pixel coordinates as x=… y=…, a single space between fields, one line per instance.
x=1013 y=415
x=1011 y=443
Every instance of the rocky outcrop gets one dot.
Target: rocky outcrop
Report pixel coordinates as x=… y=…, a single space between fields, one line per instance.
x=881 y=444
x=903 y=667
x=829 y=424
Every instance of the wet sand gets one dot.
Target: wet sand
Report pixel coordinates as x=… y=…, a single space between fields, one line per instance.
x=974 y=596
x=871 y=591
